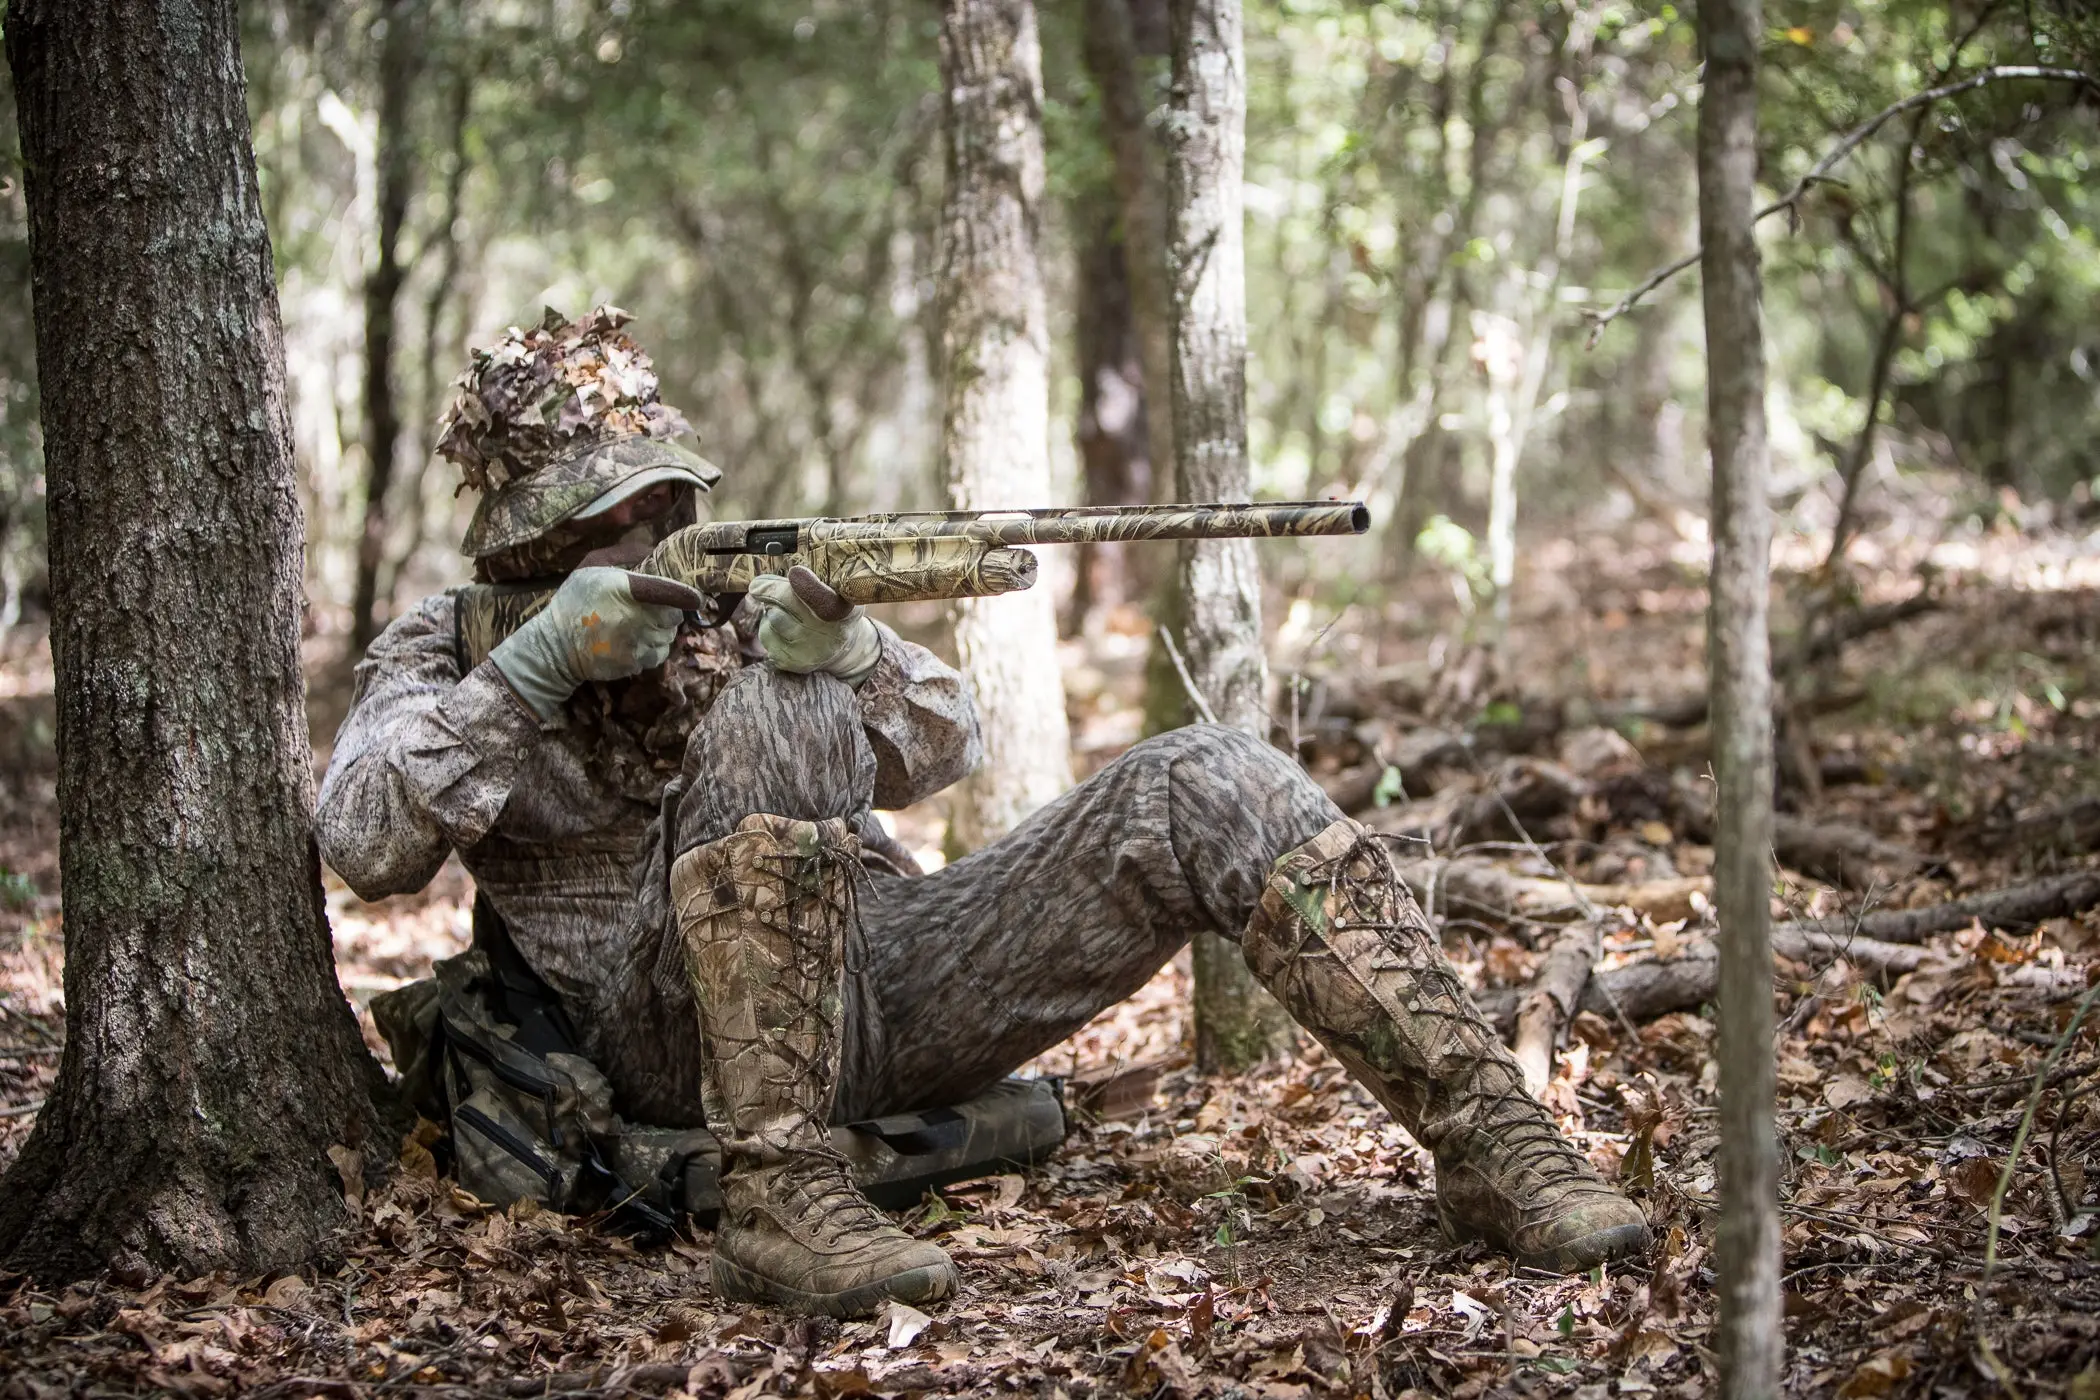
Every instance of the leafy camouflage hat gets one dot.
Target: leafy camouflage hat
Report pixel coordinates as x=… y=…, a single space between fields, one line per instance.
x=549 y=422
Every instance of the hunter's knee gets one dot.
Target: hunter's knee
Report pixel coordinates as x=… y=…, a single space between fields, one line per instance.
x=773 y=742
x=1230 y=759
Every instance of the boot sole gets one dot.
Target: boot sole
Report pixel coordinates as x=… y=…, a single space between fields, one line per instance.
x=924 y=1285
x=1581 y=1255
x=1577 y=1256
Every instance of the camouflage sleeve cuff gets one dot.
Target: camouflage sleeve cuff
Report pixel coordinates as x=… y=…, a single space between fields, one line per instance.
x=920 y=721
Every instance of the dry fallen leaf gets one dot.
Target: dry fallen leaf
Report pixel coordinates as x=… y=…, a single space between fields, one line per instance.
x=1876 y=1376
x=905 y=1323
x=286 y=1292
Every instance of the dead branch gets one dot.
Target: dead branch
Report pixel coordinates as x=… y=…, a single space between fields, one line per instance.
x=1842 y=854
x=1819 y=173
x=2071 y=828
x=1883 y=946
x=2020 y=906
x=1651 y=987
x=1552 y=1001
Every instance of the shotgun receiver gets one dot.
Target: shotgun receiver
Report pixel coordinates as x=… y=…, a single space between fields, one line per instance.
x=900 y=557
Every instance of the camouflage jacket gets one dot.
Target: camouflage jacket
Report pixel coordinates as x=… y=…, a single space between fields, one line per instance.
x=550 y=821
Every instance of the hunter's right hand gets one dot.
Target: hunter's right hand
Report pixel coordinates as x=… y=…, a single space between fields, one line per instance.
x=592 y=629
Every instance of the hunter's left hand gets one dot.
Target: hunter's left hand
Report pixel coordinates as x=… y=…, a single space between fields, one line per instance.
x=807 y=627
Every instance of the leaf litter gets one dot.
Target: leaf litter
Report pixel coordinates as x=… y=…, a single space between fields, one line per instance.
x=1273 y=1235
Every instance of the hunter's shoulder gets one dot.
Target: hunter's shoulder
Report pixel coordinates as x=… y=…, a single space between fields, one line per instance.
x=420 y=633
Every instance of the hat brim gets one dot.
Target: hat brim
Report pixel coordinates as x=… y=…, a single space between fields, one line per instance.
x=638 y=483
x=579 y=487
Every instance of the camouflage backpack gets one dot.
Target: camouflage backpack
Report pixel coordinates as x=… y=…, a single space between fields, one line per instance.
x=483 y=1046
x=529 y=1118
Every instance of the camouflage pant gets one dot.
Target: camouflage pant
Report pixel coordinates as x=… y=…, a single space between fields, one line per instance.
x=957 y=977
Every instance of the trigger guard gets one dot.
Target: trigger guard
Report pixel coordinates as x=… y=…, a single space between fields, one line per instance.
x=721 y=607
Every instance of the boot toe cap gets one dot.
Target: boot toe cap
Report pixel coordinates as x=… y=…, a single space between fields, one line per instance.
x=1582 y=1236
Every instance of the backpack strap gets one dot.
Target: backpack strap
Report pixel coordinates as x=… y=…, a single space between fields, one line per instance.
x=519 y=994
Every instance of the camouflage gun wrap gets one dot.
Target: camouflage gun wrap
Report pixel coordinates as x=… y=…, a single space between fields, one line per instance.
x=902 y=557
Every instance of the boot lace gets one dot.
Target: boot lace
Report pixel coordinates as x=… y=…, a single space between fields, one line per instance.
x=818 y=1179
x=1364 y=891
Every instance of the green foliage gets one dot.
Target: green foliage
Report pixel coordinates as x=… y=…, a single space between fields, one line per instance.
x=759 y=182
x=1451 y=546
x=17 y=891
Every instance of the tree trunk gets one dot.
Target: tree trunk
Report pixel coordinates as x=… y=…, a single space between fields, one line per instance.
x=444 y=234
x=1112 y=62
x=1751 y=1344
x=1113 y=454
x=995 y=431
x=1219 y=600
x=397 y=71
x=211 y=1060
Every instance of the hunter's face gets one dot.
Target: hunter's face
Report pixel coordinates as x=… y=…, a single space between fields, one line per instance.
x=644 y=506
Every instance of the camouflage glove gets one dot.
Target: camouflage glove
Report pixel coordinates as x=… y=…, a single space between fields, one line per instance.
x=807 y=627
x=593 y=629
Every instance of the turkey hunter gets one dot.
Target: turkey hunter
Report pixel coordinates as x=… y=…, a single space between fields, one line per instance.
x=673 y=826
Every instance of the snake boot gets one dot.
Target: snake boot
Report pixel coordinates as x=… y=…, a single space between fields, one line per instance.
x=763 y=915
x=1341 y=942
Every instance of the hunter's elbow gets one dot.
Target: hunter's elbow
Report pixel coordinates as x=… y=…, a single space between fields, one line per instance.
x=370 y=863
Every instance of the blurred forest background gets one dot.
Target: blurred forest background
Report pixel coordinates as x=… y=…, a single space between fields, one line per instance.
x=1441 y=196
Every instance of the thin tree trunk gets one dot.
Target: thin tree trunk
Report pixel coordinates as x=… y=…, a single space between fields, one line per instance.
x=1219 y=611
x=397 y=70
x=1114 y=461
x=1519 y=390
x=1112 y=62
x=995 y=432
x=1751 y=1344
x=211 y=1060
x=445 y=236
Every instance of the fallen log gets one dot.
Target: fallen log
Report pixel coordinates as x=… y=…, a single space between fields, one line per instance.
x=1651 y=987
x=2056 y=897
x=1417 y=753
x=2072 y=828
x=1477 y=888
x=1837 y=852
x=1552 y=1001
x=1882 y=945
x=1823 y=643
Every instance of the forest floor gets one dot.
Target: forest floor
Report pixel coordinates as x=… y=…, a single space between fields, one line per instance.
x=1273 y=1235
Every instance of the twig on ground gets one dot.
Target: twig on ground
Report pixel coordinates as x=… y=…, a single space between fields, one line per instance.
x=2012 y=1157
x=21 y=1109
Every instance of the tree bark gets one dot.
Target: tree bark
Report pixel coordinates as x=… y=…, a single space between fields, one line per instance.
x=1751 y=1344
x=1218 y=604
x=995 y=432
x=1114 y=456
x=211 y=1060
x=398 y=49
x=444 y=234
x=1112 y=62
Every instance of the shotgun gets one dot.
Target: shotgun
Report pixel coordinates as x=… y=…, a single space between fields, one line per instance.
x=895 y=558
